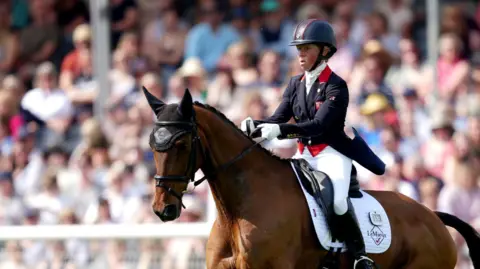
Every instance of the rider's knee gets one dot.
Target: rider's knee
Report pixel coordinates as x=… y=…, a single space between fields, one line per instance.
x=340 y=206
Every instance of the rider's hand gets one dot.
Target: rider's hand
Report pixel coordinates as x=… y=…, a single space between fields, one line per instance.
x=247 y=126
x=270 y=131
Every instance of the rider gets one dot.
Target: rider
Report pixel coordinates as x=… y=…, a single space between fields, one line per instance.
x=318 y=101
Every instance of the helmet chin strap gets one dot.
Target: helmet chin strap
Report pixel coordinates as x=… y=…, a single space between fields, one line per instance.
x=316 y=64
x=320 y=58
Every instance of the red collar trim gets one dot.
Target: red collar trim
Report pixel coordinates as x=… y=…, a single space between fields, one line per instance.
x=324 y=76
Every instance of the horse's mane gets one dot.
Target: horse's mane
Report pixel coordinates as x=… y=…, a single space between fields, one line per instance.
x=228 y=121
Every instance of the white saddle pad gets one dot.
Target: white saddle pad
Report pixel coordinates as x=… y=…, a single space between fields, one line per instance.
x=377 y=237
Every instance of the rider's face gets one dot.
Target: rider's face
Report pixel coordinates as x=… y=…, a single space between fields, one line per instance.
x=307 y=55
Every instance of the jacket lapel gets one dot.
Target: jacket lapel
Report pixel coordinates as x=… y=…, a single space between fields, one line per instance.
x=312 y=95
x=308 y=102
x=302 y=92
x=318 y=86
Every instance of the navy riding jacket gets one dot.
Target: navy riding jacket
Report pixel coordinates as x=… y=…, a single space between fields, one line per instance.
x=320 y=118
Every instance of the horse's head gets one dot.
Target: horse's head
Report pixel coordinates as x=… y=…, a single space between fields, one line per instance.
x=175 y=143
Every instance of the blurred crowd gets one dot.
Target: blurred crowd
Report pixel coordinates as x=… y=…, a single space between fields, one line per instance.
x=61 y=165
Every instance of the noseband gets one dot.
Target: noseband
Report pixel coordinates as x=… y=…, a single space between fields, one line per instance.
x=189 y=174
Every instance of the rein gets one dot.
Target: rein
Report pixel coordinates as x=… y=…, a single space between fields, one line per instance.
x=190 y=169
x=227 y=164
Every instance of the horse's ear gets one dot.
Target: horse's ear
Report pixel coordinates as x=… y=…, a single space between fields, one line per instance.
x=186 y=105
x=155 y=103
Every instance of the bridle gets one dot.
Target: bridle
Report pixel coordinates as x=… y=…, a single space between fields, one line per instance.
x=191 y=127
x=192 y=159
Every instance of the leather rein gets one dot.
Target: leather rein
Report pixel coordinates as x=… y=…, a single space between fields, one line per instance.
x=160 y=181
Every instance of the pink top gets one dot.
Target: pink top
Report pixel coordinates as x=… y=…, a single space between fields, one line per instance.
x=15 y=123
x=462 y=203
x=445 y=70
x=435 y=155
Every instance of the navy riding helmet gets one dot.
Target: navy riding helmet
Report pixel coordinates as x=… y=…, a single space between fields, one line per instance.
x=314 y=31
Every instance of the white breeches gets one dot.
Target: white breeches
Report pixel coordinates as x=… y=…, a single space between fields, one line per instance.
x=338 y=168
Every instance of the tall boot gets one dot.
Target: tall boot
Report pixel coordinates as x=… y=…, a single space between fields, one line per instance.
x=354 y=239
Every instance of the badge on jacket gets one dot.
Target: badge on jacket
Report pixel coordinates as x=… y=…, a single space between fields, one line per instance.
x=318 y=104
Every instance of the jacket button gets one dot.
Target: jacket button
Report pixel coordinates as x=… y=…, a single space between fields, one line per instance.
x=309 y=142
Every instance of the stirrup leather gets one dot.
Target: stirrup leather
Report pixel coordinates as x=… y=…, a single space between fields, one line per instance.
x=362 y=258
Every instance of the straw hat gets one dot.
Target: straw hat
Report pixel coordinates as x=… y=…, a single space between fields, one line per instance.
x=375 y=102
x=440 y=121
x=82 y=33
x=192 y=67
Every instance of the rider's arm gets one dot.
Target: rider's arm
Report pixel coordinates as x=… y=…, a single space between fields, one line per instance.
x=332 y=110
x=283 y=113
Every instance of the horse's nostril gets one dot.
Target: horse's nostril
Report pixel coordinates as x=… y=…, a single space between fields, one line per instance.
x=169 y=213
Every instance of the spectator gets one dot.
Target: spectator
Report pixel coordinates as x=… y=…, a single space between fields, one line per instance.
x=122 y=81
x=458 y=23
x=408 y=73
x=343 y=60
x=166 y=49
x=275 y=31
x=222 y=90
x=375 y=109
x=50 y=201
x=71 y=14
x=28 y=164
x=70 y=69
x=436 y=150
x=398 y=13
x=452 y=70
x=84 y=91
x=269 y=70
x=11 y=204
x=195 y=77
x=48 y=106
x=463 y=158
x=39 y=40
x=124 y=18
x=374 y=81
x=129 y=44
x=14 y=260
x=76 y=250
x=378 y=30
x=241 y=63
x=209 y=40
x=10 y=118
x=176 y=88
x=8 y=42
x=429 y=190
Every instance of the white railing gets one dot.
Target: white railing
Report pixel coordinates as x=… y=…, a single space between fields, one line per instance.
x=109 y=231
x=105 y=231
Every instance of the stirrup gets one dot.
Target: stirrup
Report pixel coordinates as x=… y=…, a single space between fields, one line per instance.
x=363 y=258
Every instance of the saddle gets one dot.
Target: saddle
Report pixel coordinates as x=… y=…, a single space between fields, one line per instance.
x=320 y=186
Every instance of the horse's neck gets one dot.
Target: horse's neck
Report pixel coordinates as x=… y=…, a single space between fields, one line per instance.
x=237 y=188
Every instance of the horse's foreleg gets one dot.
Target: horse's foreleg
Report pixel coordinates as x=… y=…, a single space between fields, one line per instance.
x=227 y=263
x=219 y=254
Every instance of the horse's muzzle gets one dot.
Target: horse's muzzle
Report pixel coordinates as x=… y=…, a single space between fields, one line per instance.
x=169 y=213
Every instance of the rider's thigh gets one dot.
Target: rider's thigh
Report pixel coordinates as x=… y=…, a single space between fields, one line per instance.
x=338 y=168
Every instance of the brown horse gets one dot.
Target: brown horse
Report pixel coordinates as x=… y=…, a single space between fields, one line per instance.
x=263 y=220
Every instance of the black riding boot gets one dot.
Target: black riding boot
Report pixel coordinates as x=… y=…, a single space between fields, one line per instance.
x=353 y=239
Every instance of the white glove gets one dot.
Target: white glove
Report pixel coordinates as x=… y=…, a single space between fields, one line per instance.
x=270 y=131
x=247 y=126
